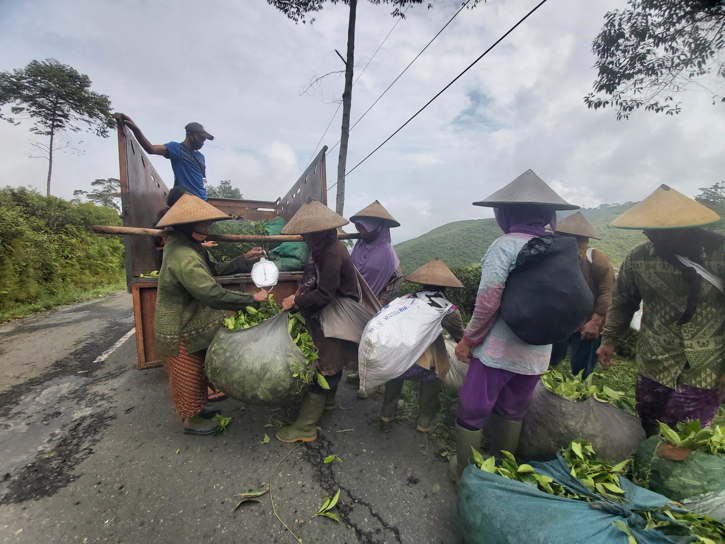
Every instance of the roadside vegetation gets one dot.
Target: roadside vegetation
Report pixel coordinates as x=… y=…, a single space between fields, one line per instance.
x=48 y=255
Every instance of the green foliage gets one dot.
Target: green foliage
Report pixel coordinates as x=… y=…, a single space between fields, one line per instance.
x=224 y=190
x=652 y=49
x=575 y=388
x=326 y=509
x=714 y=197
x=46 y=247
x=105 y=192
x=691 y=435
x=222 y=423
x=226 y=251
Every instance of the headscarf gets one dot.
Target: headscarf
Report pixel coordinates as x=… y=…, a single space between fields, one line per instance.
x=377 y=261
x=525 y=218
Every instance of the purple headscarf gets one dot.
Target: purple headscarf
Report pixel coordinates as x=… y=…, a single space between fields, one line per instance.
x=376 y=260
x=525 y=218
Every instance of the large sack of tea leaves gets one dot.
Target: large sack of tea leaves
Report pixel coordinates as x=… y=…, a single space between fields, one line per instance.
x=698 y=481
x=552 y=422
x=255 y=365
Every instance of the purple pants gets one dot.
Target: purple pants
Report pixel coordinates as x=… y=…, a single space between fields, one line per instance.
x=487 y=390
x=657 y=402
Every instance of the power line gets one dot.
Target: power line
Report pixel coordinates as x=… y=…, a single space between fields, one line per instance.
x=405 y=69
x=444 y=89
x=377 y=49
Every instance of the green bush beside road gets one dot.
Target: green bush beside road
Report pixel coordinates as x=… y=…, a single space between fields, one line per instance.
x=49 y=256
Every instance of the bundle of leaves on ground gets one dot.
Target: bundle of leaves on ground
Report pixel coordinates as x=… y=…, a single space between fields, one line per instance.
x=263 y=355
x=602 y=506
x=566 y=409
x=687 y=464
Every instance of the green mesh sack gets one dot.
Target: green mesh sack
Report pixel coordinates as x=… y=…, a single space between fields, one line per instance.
x=256 y=365
x=226 y=251
x=698 y=481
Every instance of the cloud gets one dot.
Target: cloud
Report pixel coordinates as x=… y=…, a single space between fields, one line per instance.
x=239 y=68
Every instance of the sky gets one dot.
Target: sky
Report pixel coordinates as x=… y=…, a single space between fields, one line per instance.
x=244 y=71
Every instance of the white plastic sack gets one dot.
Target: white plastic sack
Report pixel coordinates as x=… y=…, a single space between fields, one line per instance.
x=457 y=371
x=398 y=335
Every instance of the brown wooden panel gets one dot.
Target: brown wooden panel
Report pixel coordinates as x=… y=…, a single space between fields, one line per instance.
x=312 y=185
x=251 y=210
x=143 y=196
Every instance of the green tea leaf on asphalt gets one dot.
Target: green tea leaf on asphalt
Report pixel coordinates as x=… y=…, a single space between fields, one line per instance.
x=253 y=494
x=331 y=459
x=332 y=515
x=265 y=439
x=222 y=423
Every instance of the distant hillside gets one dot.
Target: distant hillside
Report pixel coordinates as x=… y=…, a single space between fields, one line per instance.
x=463 y=242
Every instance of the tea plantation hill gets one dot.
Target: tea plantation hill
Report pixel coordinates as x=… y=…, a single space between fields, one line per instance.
x=463 y=243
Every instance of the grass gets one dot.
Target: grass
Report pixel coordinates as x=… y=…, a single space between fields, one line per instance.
x=60 y=298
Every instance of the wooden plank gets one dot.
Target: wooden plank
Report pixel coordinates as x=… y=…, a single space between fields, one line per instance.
x=134 y=231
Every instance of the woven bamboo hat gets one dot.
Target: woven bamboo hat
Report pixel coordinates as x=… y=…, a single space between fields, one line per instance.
x=436 y=273
x=528 y=188
x=666 y=209
x=190 y=209
x=313 y=217
x=577 y=225
x=376 y=211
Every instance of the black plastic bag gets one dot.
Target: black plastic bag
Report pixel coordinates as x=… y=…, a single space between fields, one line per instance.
x=546 y=297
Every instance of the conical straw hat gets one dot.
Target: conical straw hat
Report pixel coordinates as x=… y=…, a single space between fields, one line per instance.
x=436 y=273
x=666 y=208
x=190 y=209
x=376 y=211
x=313 y=217
x=577 y=225
x=528 y=188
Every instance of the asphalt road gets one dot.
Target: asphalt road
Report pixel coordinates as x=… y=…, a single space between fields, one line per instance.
x=92 y=451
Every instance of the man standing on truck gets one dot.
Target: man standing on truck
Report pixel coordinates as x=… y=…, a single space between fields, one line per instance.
x=187 y=161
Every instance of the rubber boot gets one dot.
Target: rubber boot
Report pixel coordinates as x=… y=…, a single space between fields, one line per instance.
x=393 y=389
x=502 y=434
x=304 y=429
x=429 y=404
x=465 y=440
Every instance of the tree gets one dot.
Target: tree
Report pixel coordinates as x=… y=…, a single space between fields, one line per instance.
x=224 y=190
x=57 y=98
x=714 y=197
x=106 y=192
x=653 y=49
x=299 y=11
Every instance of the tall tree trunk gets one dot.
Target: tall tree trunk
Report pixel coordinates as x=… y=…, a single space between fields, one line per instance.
x=50 y=160
x=346 y=106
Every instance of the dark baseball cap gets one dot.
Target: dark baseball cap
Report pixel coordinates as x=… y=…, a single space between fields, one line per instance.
x=197 y=127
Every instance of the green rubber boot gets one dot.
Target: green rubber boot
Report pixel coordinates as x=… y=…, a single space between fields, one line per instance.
x=502 y=434
x=429 y=404
x=465 y=440
x=304 y=429
x=393 y=389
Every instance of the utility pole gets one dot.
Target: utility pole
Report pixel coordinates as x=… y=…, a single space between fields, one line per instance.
x=346 y=107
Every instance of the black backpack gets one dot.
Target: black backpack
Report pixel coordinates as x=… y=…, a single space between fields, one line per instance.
x=546 y=297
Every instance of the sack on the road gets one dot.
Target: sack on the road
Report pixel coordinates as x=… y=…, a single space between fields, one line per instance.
x=496 y=510
x=256 y=364
x=398 y=335
x=546 y=297
x=698 y=481
x=552 y=422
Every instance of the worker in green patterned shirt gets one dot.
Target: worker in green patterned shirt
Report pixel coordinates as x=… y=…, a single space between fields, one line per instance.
x=678 y=276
